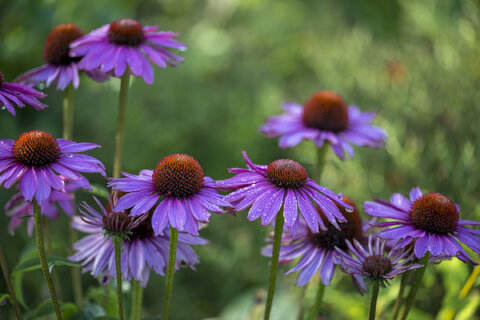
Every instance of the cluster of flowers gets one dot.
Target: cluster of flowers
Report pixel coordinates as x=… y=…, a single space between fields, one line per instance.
x=321 y=229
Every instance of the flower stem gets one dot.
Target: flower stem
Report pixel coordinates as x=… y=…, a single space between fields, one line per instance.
x=398 y=301
x=6 y=275
x=277 y=237
x=37 y=215
x=68 y=113
x=320 y=163
x=415 y=286
x=318 y=300
x=136 y=301
x=122 y=107
x=118 y=270
x=301 y=309
x=172 y=257
x=373 y=301
x=470 y=282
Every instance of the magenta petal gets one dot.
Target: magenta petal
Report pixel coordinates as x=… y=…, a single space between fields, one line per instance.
x=28 y=184
x=290 y=210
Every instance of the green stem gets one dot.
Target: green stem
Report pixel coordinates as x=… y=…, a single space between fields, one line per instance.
x=373 y=301
x=68 y=113
x=37 y=215
x=137 y=294
x=277 y=237
x=8 y=281
x=415 y=286
x=318 y=300
x=398 y=301
x=320 y=163
x=118 y=261
x=300 y=305
x=122 y=107
x=172 y=256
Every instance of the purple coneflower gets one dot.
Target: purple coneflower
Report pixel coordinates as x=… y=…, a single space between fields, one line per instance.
x=59 y=67
x=124 y=43
x=18 y=209
x=325 y=117
x=12 y=94
x=178 y=191
x=284 y=183
x=317 y=250
x=429 y=221
x=36 y=159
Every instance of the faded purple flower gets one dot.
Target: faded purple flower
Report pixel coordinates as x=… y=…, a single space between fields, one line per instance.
x=325 y=117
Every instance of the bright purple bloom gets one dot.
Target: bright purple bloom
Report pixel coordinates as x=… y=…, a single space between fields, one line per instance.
x=59 y=67
x=18 y=209
x=181 y=194
x=37 y=160
x=317 y=250
x=124 y=43
x=143 y=251
x=325 y=117
x=284 y=183
x=429 y=221
x=375 y=262
x=12 y=94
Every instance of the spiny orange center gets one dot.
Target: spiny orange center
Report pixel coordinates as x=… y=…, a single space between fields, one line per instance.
x=126 y=32
x=36 y=148
x=434 y=213
x=57 y=46
x=377 y=266
x=178 y=175
x=327 y=111
x=286 y=173
x=352 y=229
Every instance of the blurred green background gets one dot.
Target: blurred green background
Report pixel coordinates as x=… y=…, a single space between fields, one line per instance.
x=416 y=63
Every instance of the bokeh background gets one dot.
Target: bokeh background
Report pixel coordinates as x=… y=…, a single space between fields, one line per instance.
x=416 y=63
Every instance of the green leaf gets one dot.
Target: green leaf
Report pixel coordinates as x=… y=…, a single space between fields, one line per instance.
x=34 y=264
x=3 y=297
x=98 y=190
x=70 y=311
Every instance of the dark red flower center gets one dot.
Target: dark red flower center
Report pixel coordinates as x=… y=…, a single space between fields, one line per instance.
x=58 y=42
x=434 y=213
x=352 y=229
x=144 y=229
x=117 y=222
x=377 y=266
x=287 y=173
x=126 y=32
x=36 y=148
x=2 y=78
x=327 y=111
x=178 y=175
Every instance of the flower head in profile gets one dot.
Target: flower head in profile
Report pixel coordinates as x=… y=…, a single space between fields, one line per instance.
x=325 y=117
x=143 y=250
x=317 y=250
x=37 y=160
x=375 y=262
x=20 y=210
x=283 y=183
x=178 y=191
x=59 y=67
x=428 y=221
x=15 y=94
x=124 y=44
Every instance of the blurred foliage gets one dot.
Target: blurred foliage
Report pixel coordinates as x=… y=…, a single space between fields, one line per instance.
x=416 y=63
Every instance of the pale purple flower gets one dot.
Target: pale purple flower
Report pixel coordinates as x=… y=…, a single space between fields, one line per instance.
x=59 y=67
x=283 y=183
x=37 y=160
x=428 y=221
x=325 y=117
x=123 y=45
x=178 y=191
x=15 y=94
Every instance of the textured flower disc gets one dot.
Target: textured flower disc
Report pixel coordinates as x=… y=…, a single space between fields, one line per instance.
x=287 y=173
x=126 y=32
x=377 y=266
x=144 y=229
x=434 y=213
x=36 y=148
x=352 y=229
x=116 y=222
x=2 y=78
x=57 y=47
x=326 y=110
x=178 y=175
